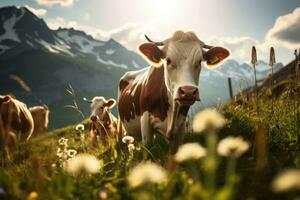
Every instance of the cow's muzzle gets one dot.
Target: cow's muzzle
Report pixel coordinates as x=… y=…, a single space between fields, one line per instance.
x=94 y=118
x=187 y=95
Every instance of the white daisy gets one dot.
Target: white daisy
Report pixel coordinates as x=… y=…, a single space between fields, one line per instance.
x=83 y=163
x=63 y=141
x=79 y=127
x=128 y=139
x=232 y=146
x=146 y=172
x=287 y=181
x=208 y=119
x=190 y=151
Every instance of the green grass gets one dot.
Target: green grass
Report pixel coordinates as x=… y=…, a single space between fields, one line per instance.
x=270 y=122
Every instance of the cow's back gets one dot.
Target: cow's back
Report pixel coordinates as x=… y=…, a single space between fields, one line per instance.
x=16 y=118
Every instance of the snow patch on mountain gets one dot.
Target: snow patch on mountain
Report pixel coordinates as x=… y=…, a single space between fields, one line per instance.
x=85 y=45
x=8 y=26
x=112 y=63
x=110 y=51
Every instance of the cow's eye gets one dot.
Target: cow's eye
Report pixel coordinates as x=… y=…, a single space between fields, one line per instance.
x=168 y=61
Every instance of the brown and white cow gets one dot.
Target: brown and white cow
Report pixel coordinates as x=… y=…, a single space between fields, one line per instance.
x=103 y=122
x=156 y=99
x=40 y=115
x=16 y=123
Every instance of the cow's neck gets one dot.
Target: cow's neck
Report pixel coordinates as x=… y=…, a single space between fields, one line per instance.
x=105 y=118
x=176 y=117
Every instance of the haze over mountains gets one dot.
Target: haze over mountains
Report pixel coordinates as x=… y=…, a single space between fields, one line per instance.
x=51 y=60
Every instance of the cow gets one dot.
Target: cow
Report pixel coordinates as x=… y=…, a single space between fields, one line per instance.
x=103 y=122
x=40 y=115
x=157 y=99
x=16 y=122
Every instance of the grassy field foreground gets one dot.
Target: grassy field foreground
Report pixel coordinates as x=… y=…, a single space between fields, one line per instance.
x=238 y=169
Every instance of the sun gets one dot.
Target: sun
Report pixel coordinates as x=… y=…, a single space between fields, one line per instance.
x=162 y=10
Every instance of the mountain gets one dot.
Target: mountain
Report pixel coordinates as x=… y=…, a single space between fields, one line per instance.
x=51 y=60
x=213 y=81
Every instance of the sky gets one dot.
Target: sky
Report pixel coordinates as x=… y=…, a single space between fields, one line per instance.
x=235 y=24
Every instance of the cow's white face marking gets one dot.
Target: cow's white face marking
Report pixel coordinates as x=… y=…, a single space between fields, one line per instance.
x=182 y=65
x=99 y=105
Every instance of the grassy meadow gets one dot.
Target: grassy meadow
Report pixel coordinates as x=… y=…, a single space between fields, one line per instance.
x=268 y=123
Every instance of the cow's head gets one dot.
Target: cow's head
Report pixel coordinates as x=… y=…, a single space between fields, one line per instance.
x=181 y=57
x=99 y=105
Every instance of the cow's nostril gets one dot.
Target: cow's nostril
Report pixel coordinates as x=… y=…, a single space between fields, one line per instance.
x=195 y=92
x=94 y=118
x=181 y=91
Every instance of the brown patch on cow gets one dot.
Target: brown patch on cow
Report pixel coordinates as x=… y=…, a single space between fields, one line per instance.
x=15 y=120
x=151 y=97
x=123 y=84
x=40 y=115
x=103 y=130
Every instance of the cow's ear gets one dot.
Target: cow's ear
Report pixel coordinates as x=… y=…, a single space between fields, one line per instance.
x=152 y=53
x=5 y=99
x=110 y=103
x=215 y=56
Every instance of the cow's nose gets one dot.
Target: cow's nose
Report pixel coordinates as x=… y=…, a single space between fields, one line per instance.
x=189 y=93
x=94 y=118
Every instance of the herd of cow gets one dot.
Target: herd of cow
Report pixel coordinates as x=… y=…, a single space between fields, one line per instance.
x=153 y=100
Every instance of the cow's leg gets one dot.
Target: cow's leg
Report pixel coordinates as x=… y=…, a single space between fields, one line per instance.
x=146 y=128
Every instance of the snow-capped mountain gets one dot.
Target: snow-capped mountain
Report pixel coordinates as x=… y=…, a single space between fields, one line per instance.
x=213 y=83
x=19 y=28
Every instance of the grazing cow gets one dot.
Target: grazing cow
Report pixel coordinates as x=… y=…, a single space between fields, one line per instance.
x=103 y=122
x=156 y=99
x=16 y=122
x=40 y=115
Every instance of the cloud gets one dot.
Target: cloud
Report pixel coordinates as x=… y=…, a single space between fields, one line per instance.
x=129 y=35
x=61 y=22
x=86 y=16
x=37 y=11
x=53 y=2
x=286 y=30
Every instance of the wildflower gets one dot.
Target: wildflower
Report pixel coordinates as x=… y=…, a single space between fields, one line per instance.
x=128 y=139
x=59 y=152
x=79 y=127
x=131 y=147
x=103 y=193
x=63 y=141
x=83 y=163
x=208 y=119
x=190 y=151
x=232 y=146
x=146 y=173
x=287 y=181
x=32 y=196
x=72 y=153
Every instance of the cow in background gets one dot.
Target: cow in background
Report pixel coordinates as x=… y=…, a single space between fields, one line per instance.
x=157 y=99
x=16 y=123
x=40 y=115
x=103 y=124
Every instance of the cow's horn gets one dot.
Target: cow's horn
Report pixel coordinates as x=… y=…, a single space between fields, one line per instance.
x=85 y=99
x=205 y=46
x=156 y=43
x=45 y=106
